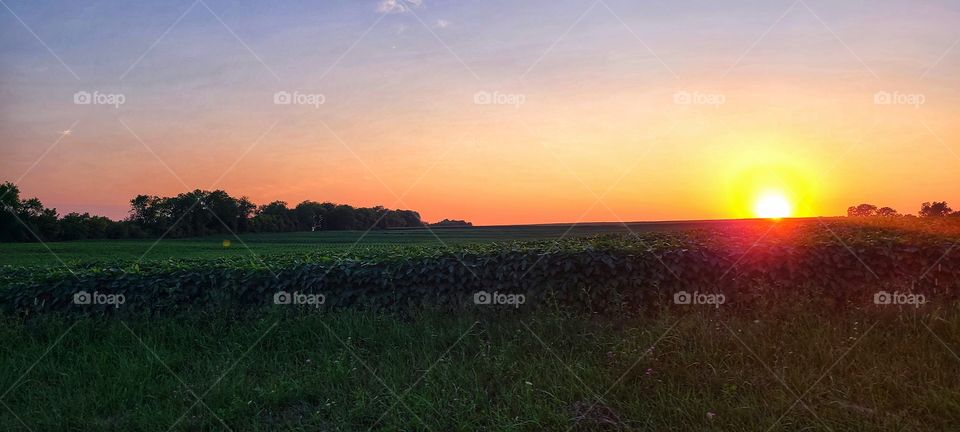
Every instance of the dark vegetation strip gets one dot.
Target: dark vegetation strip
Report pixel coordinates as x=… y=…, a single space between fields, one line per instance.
x=607 y=273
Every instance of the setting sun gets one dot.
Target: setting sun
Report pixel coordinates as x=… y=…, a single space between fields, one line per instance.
x=772 y=205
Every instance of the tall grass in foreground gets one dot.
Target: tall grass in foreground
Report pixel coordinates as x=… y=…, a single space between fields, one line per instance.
x=791 y=369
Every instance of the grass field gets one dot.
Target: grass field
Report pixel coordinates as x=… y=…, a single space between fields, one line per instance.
x=795 y=360
x=352 y=371
x=21 y=254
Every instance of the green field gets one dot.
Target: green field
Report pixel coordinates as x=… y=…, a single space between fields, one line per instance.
x=350 y=371
x=21 y=254
x=401 y=344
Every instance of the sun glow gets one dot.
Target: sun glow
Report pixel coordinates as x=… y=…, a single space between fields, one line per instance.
x=761 y=183
x=772 y=205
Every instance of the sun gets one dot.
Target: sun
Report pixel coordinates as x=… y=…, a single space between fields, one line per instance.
x=772 y=205
x=761 y=184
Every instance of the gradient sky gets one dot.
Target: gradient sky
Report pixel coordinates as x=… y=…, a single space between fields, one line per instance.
x=400 y=127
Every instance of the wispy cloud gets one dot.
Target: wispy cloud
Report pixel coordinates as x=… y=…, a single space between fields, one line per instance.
x=398 y=6
x=442 y=23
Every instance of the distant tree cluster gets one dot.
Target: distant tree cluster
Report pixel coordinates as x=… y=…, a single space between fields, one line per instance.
x=452 y=223
x=871 y=210
x=191 y=214
x=927 y=209
x=937 y=209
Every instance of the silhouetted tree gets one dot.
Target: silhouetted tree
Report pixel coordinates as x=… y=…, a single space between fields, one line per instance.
x=862 y=210
x=341 y=218
x=151 y=213
x=452 y=223
x=76 y=226
x=25 y=220
x=411 y=218
x=935 y=209
x=391 y=219
x=10 y=228
x=194 y=213
x=887 y=212
x=308 y=214
x=274 y=217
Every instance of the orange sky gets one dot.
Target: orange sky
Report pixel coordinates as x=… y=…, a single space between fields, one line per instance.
x=681 y=112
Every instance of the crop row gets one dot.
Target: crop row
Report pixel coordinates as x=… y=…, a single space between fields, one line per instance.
x=596 y=275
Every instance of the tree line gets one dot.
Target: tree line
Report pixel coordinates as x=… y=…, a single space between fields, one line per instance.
x=927 y=209
x=191 y=214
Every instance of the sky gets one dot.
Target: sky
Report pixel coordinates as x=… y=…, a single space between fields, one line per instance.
x=497 y=112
